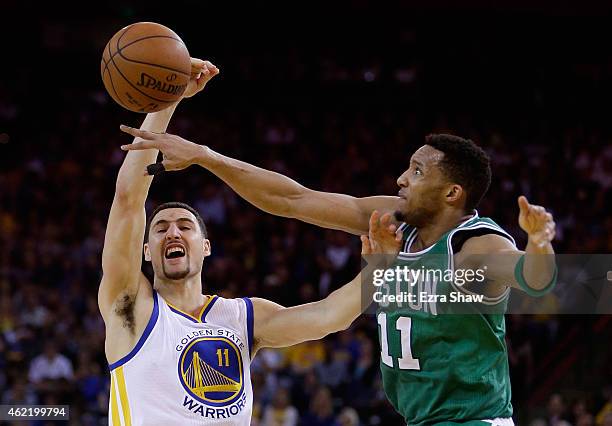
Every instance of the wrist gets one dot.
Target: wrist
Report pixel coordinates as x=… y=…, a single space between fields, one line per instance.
x=205 y=157
x=538 y=245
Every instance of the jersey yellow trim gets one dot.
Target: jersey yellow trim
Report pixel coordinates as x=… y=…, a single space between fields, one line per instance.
x=125 y=404
x=206 y=304
x=199 y=317
x=113 y=397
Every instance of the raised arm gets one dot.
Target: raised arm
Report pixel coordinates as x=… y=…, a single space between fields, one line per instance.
x=271 y=192
x=122 y=253
x=276 y=326
x=532 y=270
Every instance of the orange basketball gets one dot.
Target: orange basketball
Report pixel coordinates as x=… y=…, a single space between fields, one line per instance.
x=145 y=67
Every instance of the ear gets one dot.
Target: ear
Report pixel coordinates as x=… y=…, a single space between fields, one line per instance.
x=454 y=193
x=147 y=252
x=207 y=248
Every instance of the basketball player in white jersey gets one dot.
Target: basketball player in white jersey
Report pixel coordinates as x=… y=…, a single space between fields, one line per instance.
x=178 y=357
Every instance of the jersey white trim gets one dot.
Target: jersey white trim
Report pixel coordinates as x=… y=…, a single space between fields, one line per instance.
x=407 y=255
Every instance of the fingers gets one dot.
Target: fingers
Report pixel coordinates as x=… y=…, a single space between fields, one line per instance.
x=137 y=133
x=197 y=64
x=385 y=220
x=203 y=68
x=366 y=247
x=374 y=222
x=140 y=145
x=523 y=204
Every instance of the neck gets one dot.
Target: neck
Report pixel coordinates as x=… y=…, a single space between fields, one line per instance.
x=185 y=294
x=442 y=223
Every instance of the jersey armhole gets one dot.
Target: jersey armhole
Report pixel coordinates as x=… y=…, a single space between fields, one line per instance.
x=145 y=335
x=249 y=318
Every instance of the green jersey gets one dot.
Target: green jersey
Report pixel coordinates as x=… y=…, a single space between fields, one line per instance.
x=440 y=367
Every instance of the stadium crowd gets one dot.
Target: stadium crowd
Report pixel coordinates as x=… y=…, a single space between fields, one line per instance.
x=349 y=126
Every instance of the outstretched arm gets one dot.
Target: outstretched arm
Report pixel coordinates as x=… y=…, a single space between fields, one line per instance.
x=122 y=253
x=271 y=192
x=277 y=326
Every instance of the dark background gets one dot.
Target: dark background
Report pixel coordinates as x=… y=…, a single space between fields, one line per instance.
x=336 y=96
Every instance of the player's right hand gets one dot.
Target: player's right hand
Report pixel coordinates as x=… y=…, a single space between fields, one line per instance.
x=383 y=237
x=178 y=153
x=201 y=73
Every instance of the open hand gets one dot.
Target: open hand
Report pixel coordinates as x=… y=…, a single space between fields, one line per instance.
x=382 y=237
x=178 y=153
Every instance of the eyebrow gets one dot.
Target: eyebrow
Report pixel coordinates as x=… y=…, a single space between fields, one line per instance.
x=417 y=162
x=181 y=219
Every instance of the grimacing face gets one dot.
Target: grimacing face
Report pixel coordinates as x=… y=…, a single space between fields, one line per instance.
x=176 y=247
x=424 y=189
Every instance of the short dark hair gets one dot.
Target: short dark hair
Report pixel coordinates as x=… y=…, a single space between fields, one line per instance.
x=176 y=205
x=464 y=163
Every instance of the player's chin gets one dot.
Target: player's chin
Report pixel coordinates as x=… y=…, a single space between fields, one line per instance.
x=174 y=271
x=177 y=274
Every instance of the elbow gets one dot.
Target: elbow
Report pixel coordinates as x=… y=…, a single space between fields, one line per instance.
x=337 y=326
x=125 y=197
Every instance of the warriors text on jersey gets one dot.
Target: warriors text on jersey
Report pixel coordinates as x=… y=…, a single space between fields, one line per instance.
x=186 y=370
x=439 y=367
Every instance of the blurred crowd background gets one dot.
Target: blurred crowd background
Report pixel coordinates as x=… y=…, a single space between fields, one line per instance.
x=337 y=97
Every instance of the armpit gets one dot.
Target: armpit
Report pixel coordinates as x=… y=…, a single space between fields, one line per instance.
x=124 y=308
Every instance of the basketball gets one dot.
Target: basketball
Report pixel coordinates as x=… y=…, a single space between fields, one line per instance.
x=145 y=67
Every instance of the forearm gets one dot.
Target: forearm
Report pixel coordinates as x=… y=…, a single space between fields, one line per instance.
x=344 y=305
x=265 y=189
x=539 y=265
x=132 y=183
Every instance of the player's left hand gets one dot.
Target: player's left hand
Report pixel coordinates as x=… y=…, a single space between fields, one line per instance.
x=178 y=153
x=201 y=73
x=536 y=222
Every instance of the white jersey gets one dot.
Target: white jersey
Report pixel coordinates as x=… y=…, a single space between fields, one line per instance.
x=186 y=370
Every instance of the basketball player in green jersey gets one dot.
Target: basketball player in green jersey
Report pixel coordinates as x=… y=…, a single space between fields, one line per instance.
x=437 y=369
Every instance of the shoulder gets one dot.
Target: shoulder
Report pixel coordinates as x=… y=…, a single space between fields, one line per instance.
x=480 y=233
x=263 y=307
x=487 y=243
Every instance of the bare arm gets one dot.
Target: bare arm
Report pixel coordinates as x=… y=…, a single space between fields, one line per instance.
x=277 y=326
x=279 y=195
x=272 y=192
x=122 y=253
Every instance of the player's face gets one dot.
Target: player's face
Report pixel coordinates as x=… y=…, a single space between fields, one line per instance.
x=176 y=246
x=422 y=188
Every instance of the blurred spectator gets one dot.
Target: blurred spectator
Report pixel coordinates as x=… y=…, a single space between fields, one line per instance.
x=19 y=393
x=280 y=412
x=347 y=417
x=51 y=371
x=305 y=356
x=321 y=412
x=556 y=411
